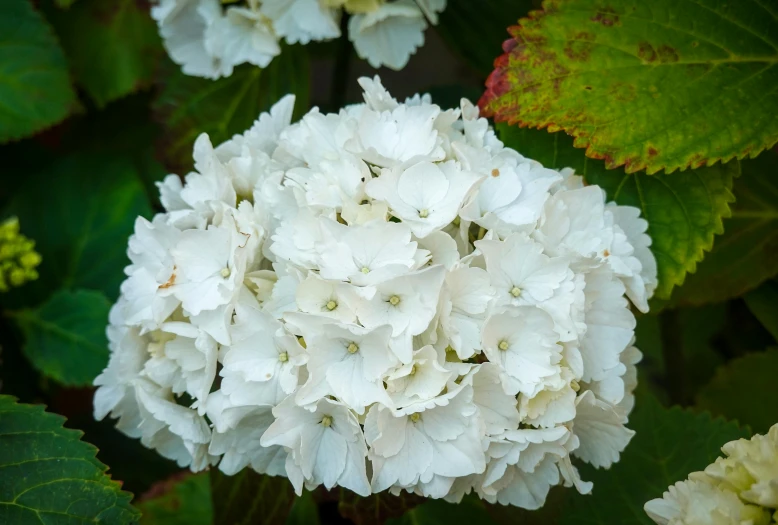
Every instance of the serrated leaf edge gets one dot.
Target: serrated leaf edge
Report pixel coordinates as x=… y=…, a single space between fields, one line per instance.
x=611 y=162
x=77 y=434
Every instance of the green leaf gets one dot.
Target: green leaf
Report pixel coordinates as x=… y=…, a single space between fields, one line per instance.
x=744 y=389
x=183 y=499
x=47 y=475
x=375 y=509
x=113 y=47
x=697 y=337
x=762 y=302
x=80 y=212
x=188 y=106
x=65 y=337
x=746 y=255
x=668 y=445
x=438 y=512
x=35 y=90
x=684 y=211
x=247 y=498
x=304 y=510
x=476 y=30
x=649 y=85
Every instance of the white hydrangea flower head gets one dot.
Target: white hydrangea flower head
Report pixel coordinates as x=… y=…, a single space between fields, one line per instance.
x=385 y=298
x=699 y=503
x=740 y=488
x=209 y=38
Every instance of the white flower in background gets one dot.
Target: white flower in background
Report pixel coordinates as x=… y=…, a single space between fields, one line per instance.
x=699 y=503
x=208 y=38
x=740 y=488
x=385 y=298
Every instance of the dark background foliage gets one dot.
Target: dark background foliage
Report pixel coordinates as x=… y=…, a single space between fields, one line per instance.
x=92 y=113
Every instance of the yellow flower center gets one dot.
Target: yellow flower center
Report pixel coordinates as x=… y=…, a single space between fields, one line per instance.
x=515 y=291
x=283 y=357
x=394 y=300
x=424 y=213
x=326 y=421
x=225 y=272
x=365 y=270
x=503 y=345
x=352 y=348
x=331 y=305
x=415 y=417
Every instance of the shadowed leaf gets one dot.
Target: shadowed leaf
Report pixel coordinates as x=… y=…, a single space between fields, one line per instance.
x=113 y=47
x=744 y=389
x=35 y=90
x=80 y=212
x=668 y=445
x=762 y=302
x=65 y=337
x=746 y=254
x=182 y=499
x=375 y=509
x=476 y=30
x=188 y=106
x=248 y=498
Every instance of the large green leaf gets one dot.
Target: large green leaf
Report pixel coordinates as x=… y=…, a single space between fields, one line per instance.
x=684 y=210
x=248 y=498
x=476 y=30
x=35 y=89
x=648 y=85
x=744 y=389
x=112 y=47
x=80 y=213
x=49 y=476
x=747 y=253
x=668 y=445
x=188 y=106
x=65 y=337
x=184 y=499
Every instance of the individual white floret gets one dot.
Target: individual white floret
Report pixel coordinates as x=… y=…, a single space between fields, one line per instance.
x=425 y=440
x=425 y=196
x=262 y=365
x=326 y=446
x=348 y=362
x=523 y=343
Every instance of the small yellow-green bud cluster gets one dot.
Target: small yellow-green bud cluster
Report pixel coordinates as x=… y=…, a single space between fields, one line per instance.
x=18 y=257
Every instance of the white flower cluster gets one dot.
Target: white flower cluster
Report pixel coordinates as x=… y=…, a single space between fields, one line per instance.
x=740 y=489
x=383 y=298
x=208 y=38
